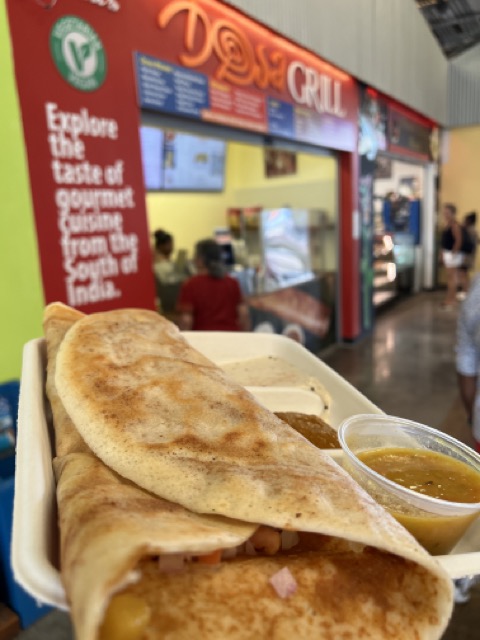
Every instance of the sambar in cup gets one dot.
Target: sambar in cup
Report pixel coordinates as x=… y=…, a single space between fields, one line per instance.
x=427 y=480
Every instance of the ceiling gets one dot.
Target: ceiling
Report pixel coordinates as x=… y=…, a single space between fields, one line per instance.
x=455 y=23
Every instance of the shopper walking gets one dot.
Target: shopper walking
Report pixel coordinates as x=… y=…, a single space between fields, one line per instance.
x=451 y=244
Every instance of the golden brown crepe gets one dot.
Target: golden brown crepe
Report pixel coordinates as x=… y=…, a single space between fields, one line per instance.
x=162 y=415
x=112 y=533
x=57 y=320
x=146 y=394
x=340 y=596
x=107 y=524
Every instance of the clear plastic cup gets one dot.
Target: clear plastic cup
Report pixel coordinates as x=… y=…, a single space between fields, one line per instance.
x=437 y=524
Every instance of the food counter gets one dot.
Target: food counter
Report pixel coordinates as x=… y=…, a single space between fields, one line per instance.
x=286 y=265
x=289 y=273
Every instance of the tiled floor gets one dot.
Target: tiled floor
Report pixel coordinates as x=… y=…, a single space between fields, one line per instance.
x=407 y=368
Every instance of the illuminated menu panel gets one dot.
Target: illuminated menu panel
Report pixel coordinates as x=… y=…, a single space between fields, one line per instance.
x=193 y=163
x=151 y=140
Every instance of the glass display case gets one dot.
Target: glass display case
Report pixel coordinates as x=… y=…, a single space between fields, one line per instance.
x=384 y=269
x=288 y=271
x=285 y=246
x=393 y=265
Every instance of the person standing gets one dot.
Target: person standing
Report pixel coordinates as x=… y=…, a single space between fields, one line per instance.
x=469 y=250
x=470 y=222
x=468 y=357
x=211 y=300
x=163 y=265
x=452 y=257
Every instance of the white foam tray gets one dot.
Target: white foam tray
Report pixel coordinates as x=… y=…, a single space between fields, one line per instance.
x=35 y=531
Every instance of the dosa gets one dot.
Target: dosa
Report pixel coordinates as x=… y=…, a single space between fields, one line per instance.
x=107 y=524
x=150 y=401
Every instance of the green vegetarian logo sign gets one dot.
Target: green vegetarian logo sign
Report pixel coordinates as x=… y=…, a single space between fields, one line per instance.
x=78 y=53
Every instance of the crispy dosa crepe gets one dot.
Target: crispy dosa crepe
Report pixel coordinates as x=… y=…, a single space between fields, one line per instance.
x=159 y=413
x=107 y=526
x=112 y=531
x=57 y=320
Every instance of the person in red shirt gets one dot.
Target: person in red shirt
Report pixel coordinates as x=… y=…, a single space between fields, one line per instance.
x=211 y=300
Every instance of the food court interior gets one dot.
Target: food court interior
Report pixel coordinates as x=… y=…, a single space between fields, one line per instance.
x=242 y=183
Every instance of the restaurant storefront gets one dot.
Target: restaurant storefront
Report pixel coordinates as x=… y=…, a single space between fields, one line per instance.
x=110 y=67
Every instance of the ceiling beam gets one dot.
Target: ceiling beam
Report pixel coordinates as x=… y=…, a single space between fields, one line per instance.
x=450 y=22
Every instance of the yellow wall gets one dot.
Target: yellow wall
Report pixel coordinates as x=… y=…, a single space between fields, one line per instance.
x=191 y=217
x=188 y=216
x=460 y=181
x=310 y=187
x=21 y=296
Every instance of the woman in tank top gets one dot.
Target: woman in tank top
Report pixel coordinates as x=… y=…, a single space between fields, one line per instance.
x=452 y=256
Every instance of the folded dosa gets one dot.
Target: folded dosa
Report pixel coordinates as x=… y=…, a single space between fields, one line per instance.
x=111 y=536
x=142 y=397
x=162 y=415
x=107 y=524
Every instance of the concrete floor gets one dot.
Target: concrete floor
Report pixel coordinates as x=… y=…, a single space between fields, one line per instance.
x=407 y=368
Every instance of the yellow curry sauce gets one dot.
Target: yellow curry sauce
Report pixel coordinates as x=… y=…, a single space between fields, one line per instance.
x=431 y=474
x=311 y=427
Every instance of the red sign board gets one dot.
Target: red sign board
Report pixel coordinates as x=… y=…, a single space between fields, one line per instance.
x=80 y=122
x=411 y=135
x=243 y=75
x=83 y=68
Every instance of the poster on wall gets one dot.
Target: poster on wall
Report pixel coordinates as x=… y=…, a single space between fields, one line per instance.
x=82 y=140
x=383 y=168
x=372 y=125
x=304 y=312
x=279 y=162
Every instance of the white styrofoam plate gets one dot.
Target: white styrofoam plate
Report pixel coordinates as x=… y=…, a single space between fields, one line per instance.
x=35 y=531
x=227 y=347
x=288 y=399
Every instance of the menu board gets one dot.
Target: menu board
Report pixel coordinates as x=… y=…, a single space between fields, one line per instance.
x=193 y=163
x=151 y=141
